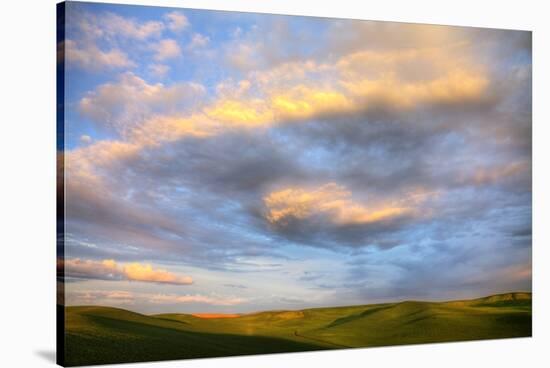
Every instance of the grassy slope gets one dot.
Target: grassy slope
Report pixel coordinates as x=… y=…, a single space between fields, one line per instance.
x=98 y=335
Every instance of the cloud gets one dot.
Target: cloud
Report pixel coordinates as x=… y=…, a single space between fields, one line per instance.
x=196 y=298
x=166 y=49
x=108 y=269
x=328 y=216
x=110 y=26
x=242 y=56
x=123 y=104
x=159 y=70
x=113 y=25
x=198 y=40
x=97 y=39
x=122 y=297
x=90 y=57
x=177 y=21
x=139 y=272
x=85 y=139
x=253 y=49
x=497 y=174
x=88 y=269
x=331 y=200
x=100 y=297
x=84 y=164
x=297 y=91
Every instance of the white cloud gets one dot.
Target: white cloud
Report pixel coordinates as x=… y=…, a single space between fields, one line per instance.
x=177 y=21
x=159 y=70
x=166 y=49
x=90 y=57
x=85 y=139
x=199 y=40
x=112 y=25
x=98 y=40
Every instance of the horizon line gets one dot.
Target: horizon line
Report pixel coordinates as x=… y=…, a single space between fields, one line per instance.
x=195 y=314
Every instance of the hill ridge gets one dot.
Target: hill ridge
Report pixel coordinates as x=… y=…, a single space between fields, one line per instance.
x=513 y=295
x=104 y=335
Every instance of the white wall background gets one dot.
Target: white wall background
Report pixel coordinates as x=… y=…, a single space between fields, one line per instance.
x=27 y=182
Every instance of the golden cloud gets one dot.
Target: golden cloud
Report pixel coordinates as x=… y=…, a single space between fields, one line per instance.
x=109 y=269
x=331 y=200
x=145 y=272
x=240 y=113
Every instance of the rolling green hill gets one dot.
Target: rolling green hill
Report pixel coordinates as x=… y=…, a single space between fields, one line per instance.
x=100 y=335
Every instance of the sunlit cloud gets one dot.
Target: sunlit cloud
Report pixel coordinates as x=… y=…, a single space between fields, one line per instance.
x=109 y=269
x=146 y=273
x=333 y=201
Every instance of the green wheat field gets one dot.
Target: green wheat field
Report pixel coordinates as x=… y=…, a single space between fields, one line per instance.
x=103 y=335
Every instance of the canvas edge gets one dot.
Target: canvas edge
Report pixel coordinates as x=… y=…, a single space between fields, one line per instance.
x=60 y=185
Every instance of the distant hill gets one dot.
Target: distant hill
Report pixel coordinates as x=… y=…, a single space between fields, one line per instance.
x=513 y=299
x=102 y=335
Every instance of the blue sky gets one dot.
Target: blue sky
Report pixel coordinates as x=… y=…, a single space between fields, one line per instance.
x=235 y=162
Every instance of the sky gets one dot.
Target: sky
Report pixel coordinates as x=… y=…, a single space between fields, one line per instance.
x=237 y=162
